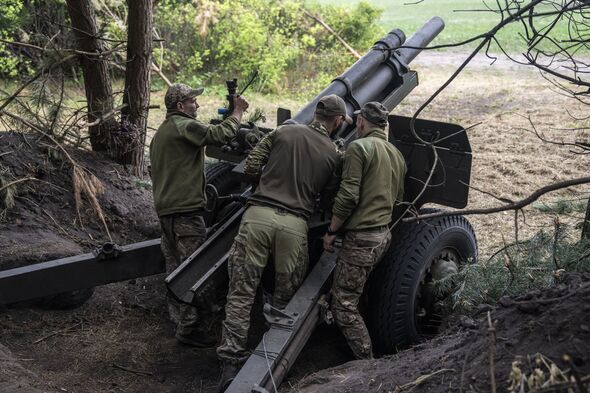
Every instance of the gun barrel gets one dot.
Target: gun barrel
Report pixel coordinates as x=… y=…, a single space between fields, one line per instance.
x=375 y=75
x=421 y=38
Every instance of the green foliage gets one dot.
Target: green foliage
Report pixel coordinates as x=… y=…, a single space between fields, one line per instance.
x=533 y=264
x=35 y=22
x=209 y=41
x=9 y=22
x=562 y=206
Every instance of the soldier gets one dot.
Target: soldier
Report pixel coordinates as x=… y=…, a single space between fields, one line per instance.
x=177 y=154
x=300 y=162
x=372 y=181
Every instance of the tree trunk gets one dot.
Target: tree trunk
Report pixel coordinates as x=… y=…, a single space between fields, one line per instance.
x=586 y=225
x=97 y=81
x=137 y=83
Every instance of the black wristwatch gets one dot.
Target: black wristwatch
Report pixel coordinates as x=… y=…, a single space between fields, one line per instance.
x=330 y=232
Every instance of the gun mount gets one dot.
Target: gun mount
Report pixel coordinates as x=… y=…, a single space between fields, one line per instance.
x=403 y=305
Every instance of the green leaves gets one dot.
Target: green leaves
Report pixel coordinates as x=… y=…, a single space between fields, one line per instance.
x=276 y=38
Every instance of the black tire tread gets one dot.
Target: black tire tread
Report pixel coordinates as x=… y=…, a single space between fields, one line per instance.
x=395 y=278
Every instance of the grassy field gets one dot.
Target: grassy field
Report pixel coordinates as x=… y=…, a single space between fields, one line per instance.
x=463 y=18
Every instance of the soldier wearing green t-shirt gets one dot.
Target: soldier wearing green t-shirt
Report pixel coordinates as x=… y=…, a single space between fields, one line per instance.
x=177 y=154
x=372 y=182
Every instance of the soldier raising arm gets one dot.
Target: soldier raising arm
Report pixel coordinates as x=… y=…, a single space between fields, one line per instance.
x=177 y=154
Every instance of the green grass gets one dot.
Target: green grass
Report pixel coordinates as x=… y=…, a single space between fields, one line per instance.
x=460 y=24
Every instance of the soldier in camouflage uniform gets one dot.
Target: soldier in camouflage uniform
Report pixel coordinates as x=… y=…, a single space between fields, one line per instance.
x=300 y=162
x=372 y=181
x=177 y=154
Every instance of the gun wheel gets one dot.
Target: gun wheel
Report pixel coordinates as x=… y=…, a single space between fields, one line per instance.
x=403 y=307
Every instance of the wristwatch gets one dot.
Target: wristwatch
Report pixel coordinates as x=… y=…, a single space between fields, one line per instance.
x=330 y=232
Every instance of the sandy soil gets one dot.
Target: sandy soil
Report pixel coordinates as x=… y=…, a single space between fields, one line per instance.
x=121 y=341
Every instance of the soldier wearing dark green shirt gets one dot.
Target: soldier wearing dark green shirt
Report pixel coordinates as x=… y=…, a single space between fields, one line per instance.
x=298 y=162
x=372 y=182
x=177 y=154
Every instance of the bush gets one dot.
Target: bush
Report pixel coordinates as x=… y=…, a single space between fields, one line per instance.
x=210 y=41
x=533 y=264
x=10 y=18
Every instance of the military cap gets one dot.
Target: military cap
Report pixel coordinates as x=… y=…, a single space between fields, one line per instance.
x=332 y=105
x=179 y=92
x=374 y=112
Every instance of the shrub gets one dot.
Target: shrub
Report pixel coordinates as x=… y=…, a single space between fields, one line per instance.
x=210 y=41
x=536 y=263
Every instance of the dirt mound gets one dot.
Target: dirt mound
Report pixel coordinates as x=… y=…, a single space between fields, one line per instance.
x=532 y=332
x=43 y=224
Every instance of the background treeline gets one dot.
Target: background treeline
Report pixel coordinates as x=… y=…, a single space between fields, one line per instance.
x=203 y=41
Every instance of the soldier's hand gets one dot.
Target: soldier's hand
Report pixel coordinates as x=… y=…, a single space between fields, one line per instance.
x=240 y=103
x=329 y=242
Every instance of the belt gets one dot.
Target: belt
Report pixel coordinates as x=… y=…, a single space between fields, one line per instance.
x=279 y=210
x=371 y=229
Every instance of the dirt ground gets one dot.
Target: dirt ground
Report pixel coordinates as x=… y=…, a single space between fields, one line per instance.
x=544 y=326
x=121 y=341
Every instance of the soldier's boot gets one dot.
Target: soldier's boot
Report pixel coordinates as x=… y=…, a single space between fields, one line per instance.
x=189 y=330
x=228 y=373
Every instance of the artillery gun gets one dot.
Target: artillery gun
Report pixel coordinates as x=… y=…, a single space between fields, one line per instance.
x=400 y=306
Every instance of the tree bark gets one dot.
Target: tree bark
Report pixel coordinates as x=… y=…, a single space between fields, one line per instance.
x=95 y=69
x=137 y=82
x=586 y=225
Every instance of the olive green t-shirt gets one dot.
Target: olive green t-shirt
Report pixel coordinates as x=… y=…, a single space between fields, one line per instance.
x=177 y=154
x=372 y=181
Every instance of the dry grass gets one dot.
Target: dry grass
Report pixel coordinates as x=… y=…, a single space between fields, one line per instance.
x=508 y=158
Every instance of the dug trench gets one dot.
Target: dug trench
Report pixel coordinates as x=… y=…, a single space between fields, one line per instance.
x=121 y=339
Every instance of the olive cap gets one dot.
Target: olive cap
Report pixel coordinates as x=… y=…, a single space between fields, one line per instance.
x=179 y=92
x=374 y=112
x=332 y=105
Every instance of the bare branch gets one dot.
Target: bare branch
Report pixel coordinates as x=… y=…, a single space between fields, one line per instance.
x=331 y=31
x=512 y=206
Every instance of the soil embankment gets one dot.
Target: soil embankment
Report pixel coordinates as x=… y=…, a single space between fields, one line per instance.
x=536 y=331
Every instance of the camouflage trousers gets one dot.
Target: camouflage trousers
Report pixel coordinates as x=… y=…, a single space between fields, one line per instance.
x=361 y=250
x=182 y=234
x=265 y=232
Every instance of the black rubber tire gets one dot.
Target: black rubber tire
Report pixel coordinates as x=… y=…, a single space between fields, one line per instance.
x=219 y=175
x=395 y=283
x=67 y=300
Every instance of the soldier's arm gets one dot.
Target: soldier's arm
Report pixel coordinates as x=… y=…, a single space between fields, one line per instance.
x=348 y=194
x=329 y=192
x=202 y=134
x=258 y=157
x=217 y=135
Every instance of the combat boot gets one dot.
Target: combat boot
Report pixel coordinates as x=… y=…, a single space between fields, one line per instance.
x=229 y=372
x=196 y=339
